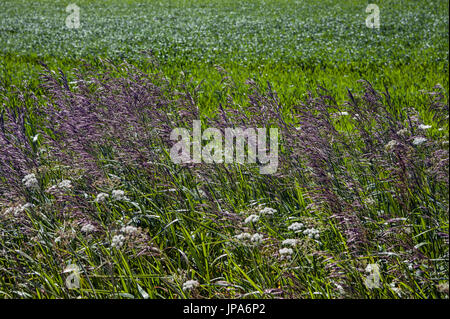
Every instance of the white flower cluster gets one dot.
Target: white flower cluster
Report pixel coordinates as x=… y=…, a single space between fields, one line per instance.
x=251 y=219
x=290 y=242
x=129 y=230
x=402 y=132
x=18 y=209
x=267 y=211
x=101 y=197
x=243 y=237
x=255 y=239
x=424 y=127
x=88 y=228
x=118 y=241
x=190 y=284
x=312 y=233
x=286 y=253
x=119 y=195
x=419 y=140
x=296 y=227
x=30 y=181
x=65 y=184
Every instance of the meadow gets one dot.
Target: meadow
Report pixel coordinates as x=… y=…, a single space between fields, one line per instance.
x=358 y=207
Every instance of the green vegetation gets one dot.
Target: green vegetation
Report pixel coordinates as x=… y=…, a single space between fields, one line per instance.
x=370 y=177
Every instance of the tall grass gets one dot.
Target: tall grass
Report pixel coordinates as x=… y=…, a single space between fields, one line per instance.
x=361 y=182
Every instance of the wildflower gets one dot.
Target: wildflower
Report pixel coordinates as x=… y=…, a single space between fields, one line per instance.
x=15 y=211
x=296 y=227
x=243 y=236
x=129 y=230
x=251 y=219
x=65 y=184
x=424 y=127
x=31 y=181
x=88 y=228
x=286 y=253
x=101 y=197
x=289 y=242
x=312 y=233
x=190 y=284
x=118 y=195
x=257 y=239
x=267 y=211
x=390 y=146
x=118 y=241
x=342 y=113
x=419 y=140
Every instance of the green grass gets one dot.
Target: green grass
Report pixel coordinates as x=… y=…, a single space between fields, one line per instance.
x=294 y=45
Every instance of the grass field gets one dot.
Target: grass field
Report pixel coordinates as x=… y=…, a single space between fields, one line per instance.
x=86 y=178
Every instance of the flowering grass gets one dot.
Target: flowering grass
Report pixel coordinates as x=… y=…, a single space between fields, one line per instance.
x=87 y=187
x=360 y=183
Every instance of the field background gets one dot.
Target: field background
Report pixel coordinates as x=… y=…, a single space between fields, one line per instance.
x=189 y=219
x=293 y=44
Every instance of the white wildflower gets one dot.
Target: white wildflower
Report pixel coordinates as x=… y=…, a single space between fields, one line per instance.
x=190 y=284
x=101 y=197
x=424 y=127
x=118 y=195
x=129 y=230
x=289 y=242
x=251 y=219
x=312 y=233
x=402 y=132
x=65 y=184
x=243 y=236
x=286 y=253
x=118 y=241
x=419 y=140
x=257 y=239
x=31 y=181
x=267 y=211
x=15 y=211
x=296 y=227
x=342 y=113
x=88 y=228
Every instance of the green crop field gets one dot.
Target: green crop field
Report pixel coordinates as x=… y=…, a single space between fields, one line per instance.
x=88 y=187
